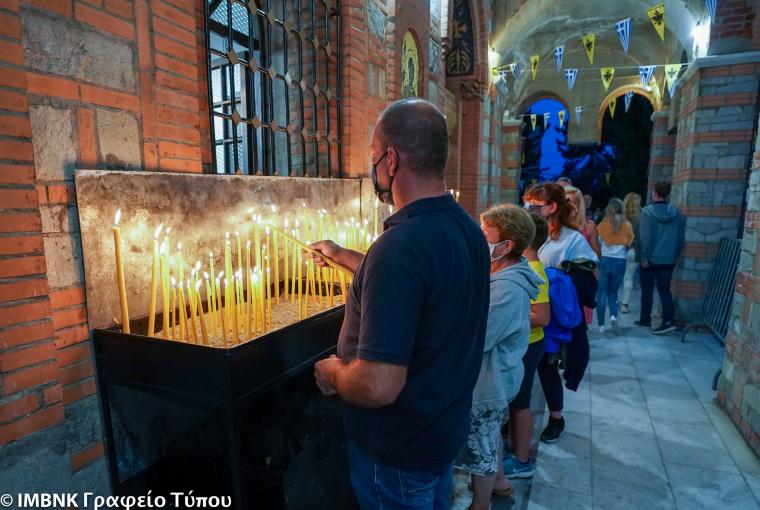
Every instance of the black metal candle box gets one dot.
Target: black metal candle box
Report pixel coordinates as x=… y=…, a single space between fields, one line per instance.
x=247 y=421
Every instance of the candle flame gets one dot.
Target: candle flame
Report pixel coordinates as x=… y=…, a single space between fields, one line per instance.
x=211 y=254
x=162 y=249
x=237 y=234
x=248 y=244
x=198 y=265
x=377 y=203
x=197 y=285
x=168 y=231
x=205 y=275
x=227 y=235
x=117 y=218
x=267 y=230
x=179 y=246
x=158 y=231
x=174 y=282
x=221 y=274
x=274 y=208
x=286 y=223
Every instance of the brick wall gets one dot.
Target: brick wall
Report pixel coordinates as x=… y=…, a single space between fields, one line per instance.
x=713 y=150
x=85 y=84
x=735 y=27
x=663 y=149
x=739 y=384
x=511 y=156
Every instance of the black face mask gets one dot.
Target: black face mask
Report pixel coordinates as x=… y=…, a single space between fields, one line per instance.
x=384 y=195
x=534 y=208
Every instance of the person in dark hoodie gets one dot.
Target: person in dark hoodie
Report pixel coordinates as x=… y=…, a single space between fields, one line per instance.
x=509 y=230
x=661 y=240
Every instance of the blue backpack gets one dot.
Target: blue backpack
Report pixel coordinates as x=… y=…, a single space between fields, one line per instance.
x=566 y=311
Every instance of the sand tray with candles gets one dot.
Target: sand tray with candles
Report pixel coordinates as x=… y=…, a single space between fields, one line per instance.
x=284 y=314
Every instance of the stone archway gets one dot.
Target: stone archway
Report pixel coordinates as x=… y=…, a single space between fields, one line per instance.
x=654 y=99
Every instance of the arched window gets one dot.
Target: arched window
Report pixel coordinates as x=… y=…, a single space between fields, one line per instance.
x=274 y=86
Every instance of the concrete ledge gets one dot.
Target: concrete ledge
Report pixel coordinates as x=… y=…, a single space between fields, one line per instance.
x=730 y=59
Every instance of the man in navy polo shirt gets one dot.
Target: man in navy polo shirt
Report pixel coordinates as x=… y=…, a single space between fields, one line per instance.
x=411 y=344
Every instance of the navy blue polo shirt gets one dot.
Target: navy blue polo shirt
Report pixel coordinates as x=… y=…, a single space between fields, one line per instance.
x=420 y=299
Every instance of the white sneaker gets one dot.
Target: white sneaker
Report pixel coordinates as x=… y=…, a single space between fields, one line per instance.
x=614 y=324
x=600 y=329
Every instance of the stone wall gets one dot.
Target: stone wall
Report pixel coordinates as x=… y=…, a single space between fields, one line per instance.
x=716 y=126
x=662 y=151
x=739 y=384
x=511 y=157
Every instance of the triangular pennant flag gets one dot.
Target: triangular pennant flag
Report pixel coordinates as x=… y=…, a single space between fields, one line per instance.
x=657 y=16
x=607 y=74
x=571 y=75
x=712 y=7
x=562 y=114
x=589 y=43
x=578 y=112
x=534 y=65
x=613 y=104
x=628 y=99
x=559 y=53
x=533 y=121
x=547 y=116
x=623 y=28
x=671 y=77
x=645 y=74
x=515 y=68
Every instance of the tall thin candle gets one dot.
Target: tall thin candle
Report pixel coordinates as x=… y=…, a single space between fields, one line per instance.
x=154 y=275
x=120 y=273
x=165 y=290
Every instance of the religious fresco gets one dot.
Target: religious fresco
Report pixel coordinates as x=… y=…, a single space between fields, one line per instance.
x=460 y=59
x=410 y=67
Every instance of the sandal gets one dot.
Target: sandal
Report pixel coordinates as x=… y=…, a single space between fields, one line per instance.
x=499 y=493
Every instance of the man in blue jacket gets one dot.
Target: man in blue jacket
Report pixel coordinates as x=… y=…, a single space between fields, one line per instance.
x=410 y=349
x=661 y=241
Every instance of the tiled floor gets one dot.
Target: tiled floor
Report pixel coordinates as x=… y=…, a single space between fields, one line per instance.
x=644 y=432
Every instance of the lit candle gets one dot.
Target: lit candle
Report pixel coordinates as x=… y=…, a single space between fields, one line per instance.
x=221 y=314
x=154 y=275
x=183 y=335
x=233 y=310
x=204 y=332
x=172 y=313
x=210 y=303
x=191 y=302
x=120 y=273
x=165 y=290
x=268 y=285
x=212 y=296
x=300 y=279
x=276 y=262
x=286 y=280
x=248 y=290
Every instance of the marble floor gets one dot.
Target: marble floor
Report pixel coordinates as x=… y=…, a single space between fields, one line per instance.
x=643 y=432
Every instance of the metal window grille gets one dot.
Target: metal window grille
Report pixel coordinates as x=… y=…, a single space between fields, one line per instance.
x=274 y=86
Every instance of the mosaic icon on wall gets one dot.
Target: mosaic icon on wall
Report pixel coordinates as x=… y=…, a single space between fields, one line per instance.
x=459 y=60
x=410 y=67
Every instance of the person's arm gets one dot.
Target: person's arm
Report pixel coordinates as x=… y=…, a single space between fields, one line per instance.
x=362 y=383
x=540 y=313
x=629 y=234
x=593 y=239
x=349 y=259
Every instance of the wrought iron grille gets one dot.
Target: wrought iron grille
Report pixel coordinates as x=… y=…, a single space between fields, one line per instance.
x=274 y=86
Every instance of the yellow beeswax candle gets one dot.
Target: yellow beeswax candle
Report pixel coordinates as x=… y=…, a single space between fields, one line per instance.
x=221 y=314
x=183 y=334
x=154 y=276
x=120 y=273
x=210 y=303
x=191 y=302
x=172 y=312
x=276 y=262
x=165 y=291
x=286 y=259
x=199 y=302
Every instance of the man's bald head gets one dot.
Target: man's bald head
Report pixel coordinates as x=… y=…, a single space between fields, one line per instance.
x=417 y=129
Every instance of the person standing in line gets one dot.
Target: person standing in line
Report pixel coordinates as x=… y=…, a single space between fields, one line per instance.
x=661 y=241
x=411 y=344
x=587 y=227
x=565 y=243
x=632 y=211
x=518 y=464
x=509 y=230
x=616 y=236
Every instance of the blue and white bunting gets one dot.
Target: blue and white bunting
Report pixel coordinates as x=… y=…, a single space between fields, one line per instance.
x=712 y=7
x=547 y=116
x=578 y=113
x=559 y=53
x=628 y=99
x=645 y=73
x=623 y=28
x=571 y=75
x=515 y=68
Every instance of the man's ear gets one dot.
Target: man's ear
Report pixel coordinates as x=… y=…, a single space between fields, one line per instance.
x=393 y=156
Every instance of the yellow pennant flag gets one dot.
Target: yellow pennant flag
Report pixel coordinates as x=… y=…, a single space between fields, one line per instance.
x=534 y=65
x=607 y=74
x=533 y=121
x=561 y=118
x=657 y=16
x=613 y=104
x=589 y=43
x=671 y=74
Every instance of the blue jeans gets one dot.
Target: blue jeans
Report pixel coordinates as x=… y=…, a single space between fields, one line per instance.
x=382 y=487
x=611 y=273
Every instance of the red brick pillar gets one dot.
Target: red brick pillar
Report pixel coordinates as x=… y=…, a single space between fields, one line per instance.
x=739 y=384
x=511 y=151
x=663 y=149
